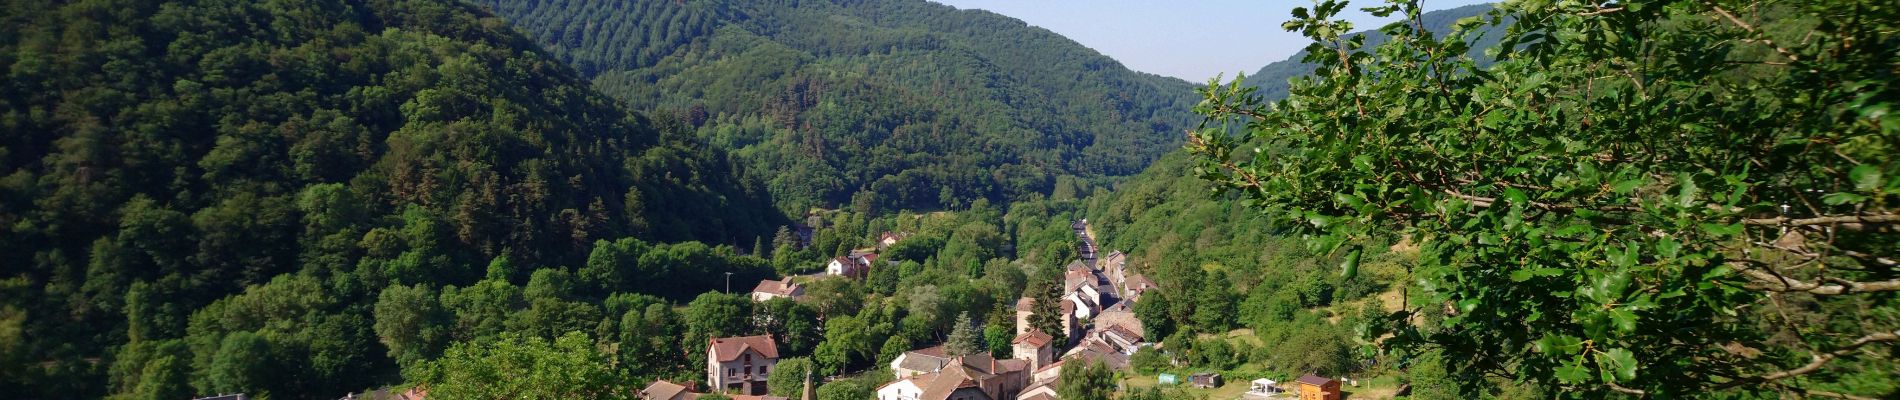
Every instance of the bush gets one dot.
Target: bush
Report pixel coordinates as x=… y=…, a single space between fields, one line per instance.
x=1148 y=360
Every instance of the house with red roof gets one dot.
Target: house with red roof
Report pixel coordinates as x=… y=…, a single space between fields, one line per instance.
x=740 y=364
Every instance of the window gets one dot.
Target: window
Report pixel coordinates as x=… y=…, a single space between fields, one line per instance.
x=763 y=369
x=730 y=371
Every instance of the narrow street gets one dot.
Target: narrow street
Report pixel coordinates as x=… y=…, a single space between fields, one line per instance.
x=1085 y=249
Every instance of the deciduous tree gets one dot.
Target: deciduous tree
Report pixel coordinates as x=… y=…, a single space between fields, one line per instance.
x=1659 y=199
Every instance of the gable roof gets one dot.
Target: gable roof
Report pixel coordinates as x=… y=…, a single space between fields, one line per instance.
x=1314 y=380
x=1139 y=282
x=1126 y=333
x=662 y=390
x=950 y=381
x=920 y=361
x=728 y=349
x=1034 y=338
x=961 y=375
x=1098 y=352
x=779 y=287
x=1076 y=280
x=933 y=351
x=1009 y=365
x=919 y=380
x=892 y=236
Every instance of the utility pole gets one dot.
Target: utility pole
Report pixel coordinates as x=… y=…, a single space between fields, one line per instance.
x=728 y=283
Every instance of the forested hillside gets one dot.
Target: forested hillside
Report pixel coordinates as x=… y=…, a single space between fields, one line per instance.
x=883 y=104
x=160 y=158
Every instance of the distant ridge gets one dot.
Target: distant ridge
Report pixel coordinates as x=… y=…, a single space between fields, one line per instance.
x=914 y=104
x=1272 y=78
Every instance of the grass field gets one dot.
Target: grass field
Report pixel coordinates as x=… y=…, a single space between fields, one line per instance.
x=1375 y=389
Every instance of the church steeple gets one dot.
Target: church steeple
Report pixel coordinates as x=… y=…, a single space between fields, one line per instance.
x=810 y=393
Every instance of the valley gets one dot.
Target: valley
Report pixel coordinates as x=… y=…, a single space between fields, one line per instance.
x=903 y=200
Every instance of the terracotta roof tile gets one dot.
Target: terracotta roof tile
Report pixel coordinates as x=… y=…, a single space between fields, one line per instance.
x=728 y=349
x=1034 y=338
x=1314 y=380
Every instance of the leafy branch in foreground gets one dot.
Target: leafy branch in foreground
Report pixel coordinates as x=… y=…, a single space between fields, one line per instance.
x=1647 y=198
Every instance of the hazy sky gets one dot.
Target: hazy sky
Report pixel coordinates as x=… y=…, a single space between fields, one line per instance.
x=1187 y=39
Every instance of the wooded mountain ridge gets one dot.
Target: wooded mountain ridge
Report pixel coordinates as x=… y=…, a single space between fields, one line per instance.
x=881 y=104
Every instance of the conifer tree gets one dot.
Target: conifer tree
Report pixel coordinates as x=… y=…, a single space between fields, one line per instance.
x=963 y=338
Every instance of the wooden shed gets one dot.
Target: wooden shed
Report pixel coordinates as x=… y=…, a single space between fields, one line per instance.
x=1315 y=387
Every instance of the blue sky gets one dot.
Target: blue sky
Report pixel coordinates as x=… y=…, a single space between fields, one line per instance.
x=1187 y=39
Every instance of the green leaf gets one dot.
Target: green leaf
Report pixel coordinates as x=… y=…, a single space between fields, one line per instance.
x=1617 y=363
x=1866 y=177
x=1318 y=220
x=1517 y=197
x=1624 y=319
x=1350 y=268
x=1689 y=191
x=1352 y=200
x=1835 y=199
x=1466 y=306
x=1624 y=187
x=1573 y=373
x=1558 y=344
x=1722 y=229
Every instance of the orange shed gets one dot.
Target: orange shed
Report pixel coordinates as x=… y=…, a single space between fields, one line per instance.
x=1314 y=387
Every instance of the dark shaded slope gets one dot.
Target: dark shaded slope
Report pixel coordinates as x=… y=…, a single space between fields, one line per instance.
x=179 y=151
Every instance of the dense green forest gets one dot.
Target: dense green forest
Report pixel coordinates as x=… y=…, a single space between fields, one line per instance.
x=885 y=104
x=190 y=185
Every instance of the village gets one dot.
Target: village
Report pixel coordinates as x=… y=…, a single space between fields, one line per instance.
x=1099 y=327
